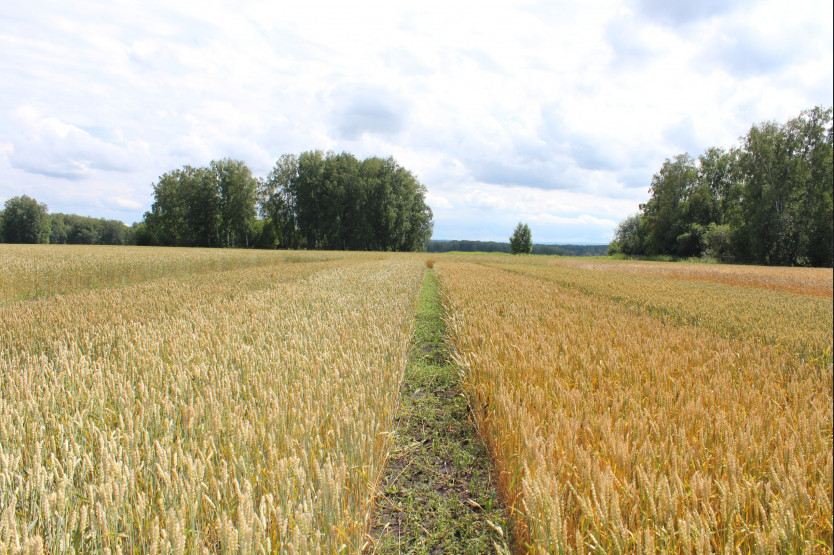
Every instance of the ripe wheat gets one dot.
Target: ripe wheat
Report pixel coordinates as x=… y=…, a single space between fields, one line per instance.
x=32 y=271
x=616 y=432
x=799 y=324
x=237 y=411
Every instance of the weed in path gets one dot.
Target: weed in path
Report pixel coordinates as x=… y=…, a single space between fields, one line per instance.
x=437 y=495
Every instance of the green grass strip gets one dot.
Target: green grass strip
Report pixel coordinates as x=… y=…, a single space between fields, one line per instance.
x=437 y=495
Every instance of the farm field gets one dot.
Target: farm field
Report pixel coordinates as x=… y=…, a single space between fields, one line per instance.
x=33 y=271
x=192 y=400
x=633 y=413
x=788 y=308
x=245 y=409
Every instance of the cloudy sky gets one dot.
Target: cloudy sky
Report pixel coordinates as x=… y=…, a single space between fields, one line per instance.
x=556 y=113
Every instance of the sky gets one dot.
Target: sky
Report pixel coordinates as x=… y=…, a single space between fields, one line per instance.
x=553 y=113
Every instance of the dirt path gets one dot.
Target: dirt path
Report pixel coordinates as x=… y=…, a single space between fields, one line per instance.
x=437 y=495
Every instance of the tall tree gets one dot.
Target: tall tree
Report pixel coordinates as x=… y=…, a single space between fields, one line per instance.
x=237 y=190
x=277 y=198
x=167 y=220
x=310 y=197
x=767 y=227
x=769 y=201
x=315 y=200
x=718 y=171
x=670 y=187
x=25 y=220
x=629 y=237
x=813 y=132
x=521 y=241
x=201 y=200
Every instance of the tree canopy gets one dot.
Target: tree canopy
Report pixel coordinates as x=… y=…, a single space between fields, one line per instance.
x=203 y=207
x=335 y=201
x=521 y=241
x=314 y=200
x=24 y=220
x=766 y=201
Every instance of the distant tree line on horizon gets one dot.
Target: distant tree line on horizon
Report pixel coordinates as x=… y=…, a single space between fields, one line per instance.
x=767 y=201
x=439 y=246
x=25 y=220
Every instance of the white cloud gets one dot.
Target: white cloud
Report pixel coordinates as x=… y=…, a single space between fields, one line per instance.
x=48 y=146
x=550 y=110
x=484 y=201
x=125 y=203
x=438 y=201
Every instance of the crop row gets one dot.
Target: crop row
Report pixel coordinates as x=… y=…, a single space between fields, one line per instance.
x=614 y=431
x=799 y=324
x=247 y=410
x=32 y=271
x=805 y=281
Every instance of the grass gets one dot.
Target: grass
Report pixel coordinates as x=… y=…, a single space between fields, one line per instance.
x=437 y=495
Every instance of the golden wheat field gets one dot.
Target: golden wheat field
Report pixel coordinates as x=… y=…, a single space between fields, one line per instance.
x=617 y=429
x=244 y=410
x=232 y=401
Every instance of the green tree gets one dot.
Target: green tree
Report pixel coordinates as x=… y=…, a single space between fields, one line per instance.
x=718 y=242
x=768 y=230
x=237 y=189
x=718 y=171
x=201 y=207
x=310 y=197
x=670 y=187
x=769 y=201
x=628 y=239
x=166 y=221
x=334 y=201
x=342 y=203
x=277 y=201
x=521 y=241
x=25 y=220
x=813 y=137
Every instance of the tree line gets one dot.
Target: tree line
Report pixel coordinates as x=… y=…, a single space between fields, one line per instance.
x=766 y=201
x=314 y=200
x=497 y=246
x=25 y=220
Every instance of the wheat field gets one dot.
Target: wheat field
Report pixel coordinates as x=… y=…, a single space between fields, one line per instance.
x=32 y=271
x=616 y=431
x=731 y=301
x=231 y=401
x=237 y=411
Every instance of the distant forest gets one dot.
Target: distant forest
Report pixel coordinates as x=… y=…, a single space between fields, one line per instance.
x=766 y=201
x=494 y=246
x=25 y=220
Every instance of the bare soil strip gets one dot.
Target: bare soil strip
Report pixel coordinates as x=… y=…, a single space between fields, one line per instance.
x=437 y=495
